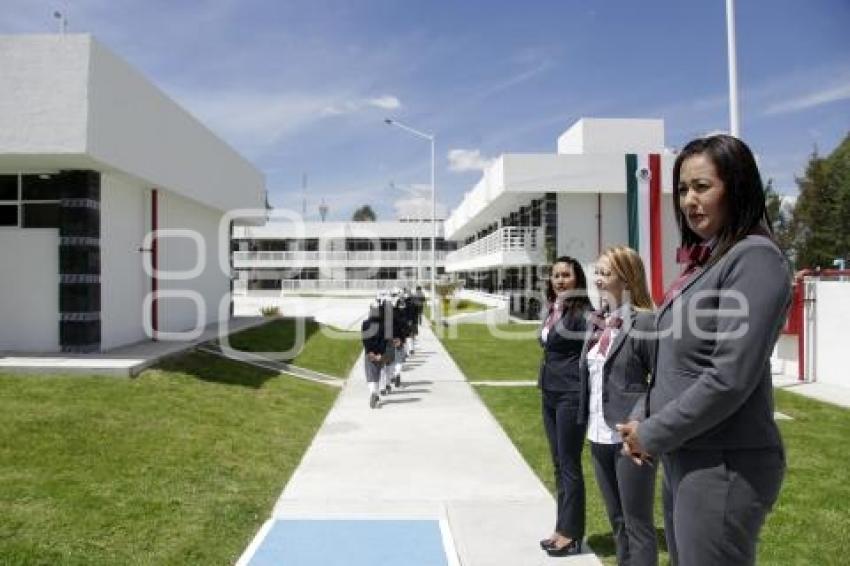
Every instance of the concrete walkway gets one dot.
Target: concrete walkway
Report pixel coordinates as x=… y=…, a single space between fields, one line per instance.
x=432 y=451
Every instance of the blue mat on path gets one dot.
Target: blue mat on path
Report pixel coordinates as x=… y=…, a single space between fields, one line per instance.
x=351 y=543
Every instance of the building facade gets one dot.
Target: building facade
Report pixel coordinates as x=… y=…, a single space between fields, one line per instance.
x=337 y=256
x=112 y=202
x=608 y=184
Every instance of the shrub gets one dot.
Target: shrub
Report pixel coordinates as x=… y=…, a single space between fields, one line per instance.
x=270 y=311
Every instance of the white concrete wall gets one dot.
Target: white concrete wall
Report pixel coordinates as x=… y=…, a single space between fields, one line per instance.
x=612 y=135
x=29 y=279
x=136 y=128
x=70 y=102
x=831 y=316
x=577 y=228
x=123 y=214
x=181 y=254
x=43 y=86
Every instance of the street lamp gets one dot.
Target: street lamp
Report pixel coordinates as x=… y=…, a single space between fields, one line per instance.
x=431 y=138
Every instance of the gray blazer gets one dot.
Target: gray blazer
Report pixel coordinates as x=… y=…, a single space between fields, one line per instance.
x=712 y=386
x=626 y=371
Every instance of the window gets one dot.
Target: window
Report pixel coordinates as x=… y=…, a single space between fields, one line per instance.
x=8 y=215
x=8 y=187
x=30 y=201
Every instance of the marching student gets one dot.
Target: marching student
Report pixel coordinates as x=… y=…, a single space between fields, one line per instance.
x=709 y=411
x=411 y=320
x=374 y=346
x=562 y=337
x=615 y=367
x=401 y=331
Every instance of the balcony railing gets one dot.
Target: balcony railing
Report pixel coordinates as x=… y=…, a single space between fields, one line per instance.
x=290 y=259
x=504 y=247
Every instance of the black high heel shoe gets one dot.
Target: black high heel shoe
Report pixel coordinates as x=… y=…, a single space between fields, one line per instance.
x=546 y=543
x=570 y=549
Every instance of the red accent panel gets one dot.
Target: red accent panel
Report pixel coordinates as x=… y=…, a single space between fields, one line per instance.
x=656 y=264
x=154 y=263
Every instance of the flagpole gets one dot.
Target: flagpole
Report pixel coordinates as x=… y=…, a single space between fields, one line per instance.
x=734 y=116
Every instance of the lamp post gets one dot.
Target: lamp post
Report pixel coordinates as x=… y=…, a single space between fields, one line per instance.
x=431 y=138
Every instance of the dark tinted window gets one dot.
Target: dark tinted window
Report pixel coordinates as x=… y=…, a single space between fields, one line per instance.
x=9 y=215
x=8 y=187
x=40 y=187
x=40 y=215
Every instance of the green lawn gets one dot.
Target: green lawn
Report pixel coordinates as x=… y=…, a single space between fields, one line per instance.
x=322 y=349
x=178 y=466
x=506 y=352
x=811 y=521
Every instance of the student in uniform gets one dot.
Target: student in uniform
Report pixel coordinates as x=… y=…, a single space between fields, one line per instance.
x=374 y=346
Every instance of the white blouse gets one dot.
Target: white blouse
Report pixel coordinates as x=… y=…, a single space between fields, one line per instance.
x=598 y=430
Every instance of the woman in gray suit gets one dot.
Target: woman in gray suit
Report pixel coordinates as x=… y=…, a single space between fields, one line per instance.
x=709 y=411
x=562 y=337
x=615 y=367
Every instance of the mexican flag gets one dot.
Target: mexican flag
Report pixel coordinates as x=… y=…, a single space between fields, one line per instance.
x=643 y=202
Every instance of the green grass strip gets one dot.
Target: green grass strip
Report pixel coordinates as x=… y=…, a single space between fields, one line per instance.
x=304 y=343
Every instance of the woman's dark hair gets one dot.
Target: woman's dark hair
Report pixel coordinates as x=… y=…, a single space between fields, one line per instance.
x=578 y=299
x=743 y=199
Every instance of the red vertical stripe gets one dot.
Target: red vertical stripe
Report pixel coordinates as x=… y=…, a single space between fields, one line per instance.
x=154 y=264
x=656 y=264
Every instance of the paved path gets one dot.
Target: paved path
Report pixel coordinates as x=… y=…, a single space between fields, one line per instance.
x=431 y=452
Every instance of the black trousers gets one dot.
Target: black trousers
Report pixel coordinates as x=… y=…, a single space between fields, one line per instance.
x=629 y=492
x=717 y=503
x=566 y=440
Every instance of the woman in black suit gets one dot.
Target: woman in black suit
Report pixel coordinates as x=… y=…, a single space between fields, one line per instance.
x=709 y=414
x=615 y=367
x=562 y=337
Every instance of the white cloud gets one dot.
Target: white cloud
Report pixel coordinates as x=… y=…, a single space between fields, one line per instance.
x=253 y=120
x=386 y=102
x=810 y=100
x=467 y=160
x=417 y=203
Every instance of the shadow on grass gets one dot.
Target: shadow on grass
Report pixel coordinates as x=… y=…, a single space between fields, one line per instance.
x=279 y=336
x=603 y=545
x=210 y=368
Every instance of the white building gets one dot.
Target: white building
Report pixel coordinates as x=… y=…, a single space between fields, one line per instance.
x=93 y=157
x=355 y=256
x=530 y=208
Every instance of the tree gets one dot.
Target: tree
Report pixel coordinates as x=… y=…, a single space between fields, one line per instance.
x=780 y=213
x=364 y=214
x=821 y=218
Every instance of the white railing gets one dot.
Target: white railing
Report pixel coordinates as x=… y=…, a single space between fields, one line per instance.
x=244 y=258
x=510 y=239
x=344 y=284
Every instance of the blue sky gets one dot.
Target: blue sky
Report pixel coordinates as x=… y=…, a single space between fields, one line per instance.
x=302 y=86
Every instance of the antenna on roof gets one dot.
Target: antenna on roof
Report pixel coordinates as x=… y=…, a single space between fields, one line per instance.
x=304 y=194
x=62 y=18
x=323 y=210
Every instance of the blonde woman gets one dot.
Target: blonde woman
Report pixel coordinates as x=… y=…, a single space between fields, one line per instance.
x=614 y=371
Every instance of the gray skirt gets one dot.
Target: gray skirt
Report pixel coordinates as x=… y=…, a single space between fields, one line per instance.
x=373 y=369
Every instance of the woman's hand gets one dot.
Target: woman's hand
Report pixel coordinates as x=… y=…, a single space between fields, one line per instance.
x=631 y=443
